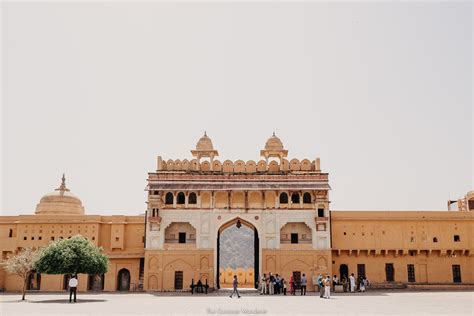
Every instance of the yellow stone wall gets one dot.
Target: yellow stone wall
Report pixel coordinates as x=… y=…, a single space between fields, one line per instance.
x=424 y=239
x=161 y=265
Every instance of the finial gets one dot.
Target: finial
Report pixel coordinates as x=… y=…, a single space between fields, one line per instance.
x=62 y=188
x=205 y=134
x=274 y=134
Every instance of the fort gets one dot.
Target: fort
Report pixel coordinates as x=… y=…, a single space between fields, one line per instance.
x=284 y=202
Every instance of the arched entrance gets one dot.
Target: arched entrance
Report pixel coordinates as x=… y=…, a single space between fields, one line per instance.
x=95 y=282
x=343 y=272
x=237 y=253
x=123 y=280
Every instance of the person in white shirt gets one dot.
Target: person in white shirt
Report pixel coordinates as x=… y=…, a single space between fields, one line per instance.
x=352 y=283
x=327 y=287
x=72 y=288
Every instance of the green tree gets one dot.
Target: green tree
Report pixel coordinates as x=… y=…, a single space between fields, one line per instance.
x=22 y=264
x=72 y=256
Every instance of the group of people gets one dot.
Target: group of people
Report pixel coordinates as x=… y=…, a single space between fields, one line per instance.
x=274 y=284
x=352 y=285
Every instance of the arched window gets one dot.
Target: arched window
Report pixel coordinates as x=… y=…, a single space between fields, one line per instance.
x=307 y=198
x=435 y=239
x=283 y=198
x=295 y=197
x=192 y=199
x=180 y=199
x=169 y=198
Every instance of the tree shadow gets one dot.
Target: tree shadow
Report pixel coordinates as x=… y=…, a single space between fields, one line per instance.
x=66 y=301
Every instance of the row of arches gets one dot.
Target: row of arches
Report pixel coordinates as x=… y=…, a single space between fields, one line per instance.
x=239 y=166
x=241 y=199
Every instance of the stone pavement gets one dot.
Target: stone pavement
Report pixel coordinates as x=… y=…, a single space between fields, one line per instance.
x=370 y=303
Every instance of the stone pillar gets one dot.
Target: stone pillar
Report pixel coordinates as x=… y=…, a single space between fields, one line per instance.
x=246 y=199
x=229 y=200
x=317 y=164
x=175 y=198
x=264 y=199
x=301 y=200
x=186 y=196
x=198 y=200
x=212 y=202
x=277 y=199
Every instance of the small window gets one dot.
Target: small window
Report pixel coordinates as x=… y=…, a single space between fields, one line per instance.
x=283 y=198
x=320 y=212
x=456 y=273
x=180 y=199
x=32 y=238
x=345 y=233
x=307 y=198
x=192 y=199
x=169 y=198
x=412 y=239
x=182 y=238
x=40 y=238
x=389 y=272
x=24 y=238
x=295 y=198
x=457 y=238
x=435 y=239
x=52 y=238
x=10 y=234
x=116 y=239
x=294 y=238
x=93 y=238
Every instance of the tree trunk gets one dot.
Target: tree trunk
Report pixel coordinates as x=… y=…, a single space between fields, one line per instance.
x=23 y=292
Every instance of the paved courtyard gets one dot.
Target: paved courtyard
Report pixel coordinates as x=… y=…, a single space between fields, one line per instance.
x=379 y=303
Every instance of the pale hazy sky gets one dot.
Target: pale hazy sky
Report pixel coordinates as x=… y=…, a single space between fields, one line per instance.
x=381 y=92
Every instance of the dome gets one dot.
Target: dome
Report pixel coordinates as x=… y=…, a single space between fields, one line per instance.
x=274 y=144
x=61 y=201
x=204 y=144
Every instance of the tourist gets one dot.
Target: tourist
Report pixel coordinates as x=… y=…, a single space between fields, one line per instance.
x=327 y=287
x=292 y=285
x=263 y=284
x=320 y=283
x=234 y=284
x=279 y=284
x=362 y=284
x=72 y=288
x=352 y=282
x=344 y=284
x=271 y=284
x=283 y=282
x=303 y=284
x=335 y=281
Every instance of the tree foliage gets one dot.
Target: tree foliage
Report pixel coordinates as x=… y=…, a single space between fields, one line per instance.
x=22 y=264
x=72 y=256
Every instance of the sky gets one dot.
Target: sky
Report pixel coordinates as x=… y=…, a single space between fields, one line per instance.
x=381 y=92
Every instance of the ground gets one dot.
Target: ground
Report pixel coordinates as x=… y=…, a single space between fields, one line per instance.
x=377 y=302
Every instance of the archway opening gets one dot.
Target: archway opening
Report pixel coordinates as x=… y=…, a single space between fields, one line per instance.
x=237 y=254
x=123 y=280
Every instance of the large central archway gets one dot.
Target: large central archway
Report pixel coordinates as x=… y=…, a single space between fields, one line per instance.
x=237 y=253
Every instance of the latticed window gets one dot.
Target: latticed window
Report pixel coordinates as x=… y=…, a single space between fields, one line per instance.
x=180 y=199
x=307 y=198
x=192 y=199
x=389 y=272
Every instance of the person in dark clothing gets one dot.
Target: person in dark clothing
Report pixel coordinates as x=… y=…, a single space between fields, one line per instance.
x=234 y=285
x=304 y=281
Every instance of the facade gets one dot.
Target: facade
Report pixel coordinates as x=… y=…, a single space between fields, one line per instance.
x=191 y=202
x=285 y=202
x=61 y=215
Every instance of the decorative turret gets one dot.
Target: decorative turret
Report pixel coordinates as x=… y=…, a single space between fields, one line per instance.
x=274 y=148
x=204 y=148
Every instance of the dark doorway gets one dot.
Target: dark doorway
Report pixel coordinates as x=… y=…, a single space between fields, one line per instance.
x=361 y=270
x=123 y=280
x=66 y=279
x=34 y=281
x=456 y=273
x=411 y=272
x=294 y=238
x=182 y=238
x=297 y=279
x=178 y=280
x=343 y=272
x=389 y=272
x=96 y=282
